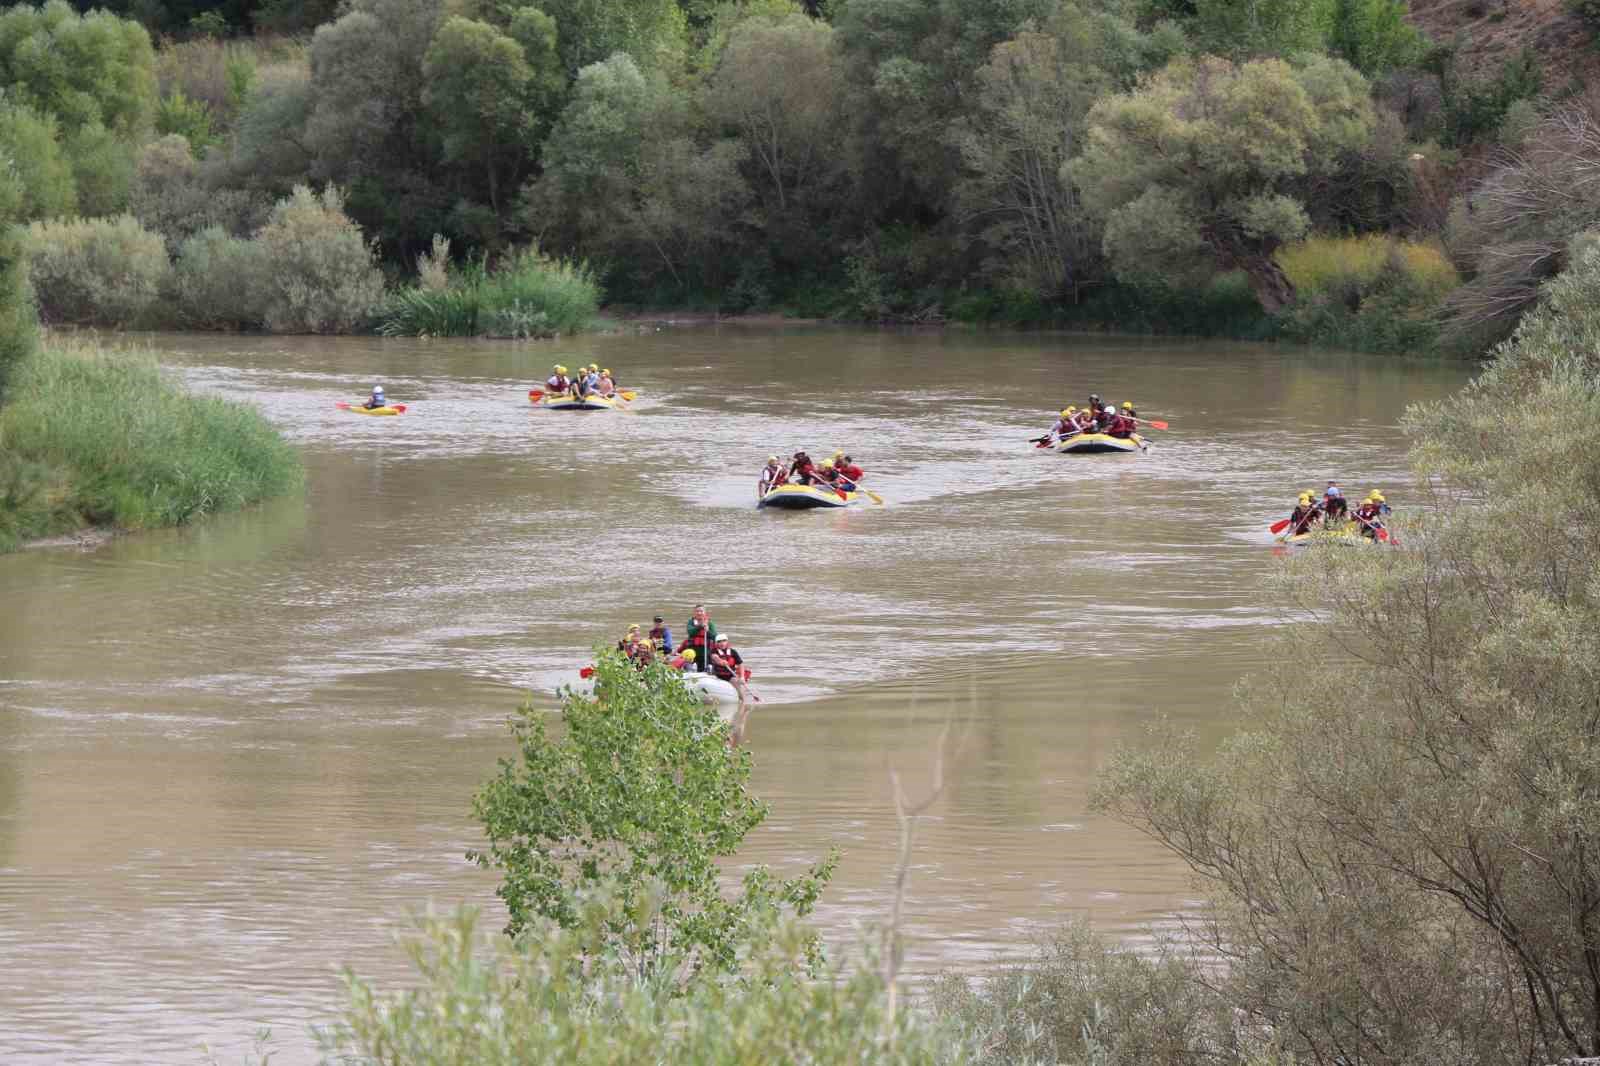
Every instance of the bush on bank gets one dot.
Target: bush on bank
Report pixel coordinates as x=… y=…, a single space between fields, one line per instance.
x=106 y=439
x=526 y=295
x=96 y=271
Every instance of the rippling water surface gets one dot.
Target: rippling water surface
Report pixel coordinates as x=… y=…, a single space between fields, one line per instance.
x=233 y=757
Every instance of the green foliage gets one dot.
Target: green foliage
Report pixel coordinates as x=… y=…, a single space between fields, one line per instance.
x=1474 y=109
x=642 y=793
x=527 y=295
x=477 y=79
x=79 y=68
x=188 y=118
x=1251 y=29
x=651 y=32
x=562 y=994
x=18 y=319
x=98 y=271
x=220 y=281
x=96 y=438
x=1374 y=37
x=31 y=143
x=1193 y=172
x=1081 y=1000
x=102 y=170
x=321 y=273
x=1402 y=843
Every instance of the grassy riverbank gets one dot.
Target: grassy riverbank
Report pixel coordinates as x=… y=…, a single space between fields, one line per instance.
x=99 y=438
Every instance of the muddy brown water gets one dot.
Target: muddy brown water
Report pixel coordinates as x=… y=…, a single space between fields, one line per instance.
x=233 y=757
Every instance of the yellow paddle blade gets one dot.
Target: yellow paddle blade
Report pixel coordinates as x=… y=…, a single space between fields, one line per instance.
x=874 y=497
x=628 y=395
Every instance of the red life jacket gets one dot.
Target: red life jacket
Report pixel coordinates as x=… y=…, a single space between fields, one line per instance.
x=805 y=472
x=853 y=472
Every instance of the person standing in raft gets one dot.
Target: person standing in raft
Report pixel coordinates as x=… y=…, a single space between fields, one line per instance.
x=771 y=474
x=702 y=634
x=376 y=400
x=661 y=636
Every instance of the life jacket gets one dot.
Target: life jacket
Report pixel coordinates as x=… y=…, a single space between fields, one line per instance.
x=1120 y=426
x=558 y=383
x=805 y=472
x=727 y=673
x=853 y=472
x=658 y=638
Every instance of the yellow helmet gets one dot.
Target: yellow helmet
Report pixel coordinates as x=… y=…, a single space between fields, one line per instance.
x=560 y=369
x=1367 y=501
x=1378 y=496
x=772 y=458
x=1127 y=404
x=634 y=628
x=1066 y=412
x=606 y=371
x=688 y=653
x=1304 y=498
x=594 y=366
x=827 y=464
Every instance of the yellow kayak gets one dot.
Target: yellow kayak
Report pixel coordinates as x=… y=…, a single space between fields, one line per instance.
x=1092 y=443
x=805 y=497
x=355 y=408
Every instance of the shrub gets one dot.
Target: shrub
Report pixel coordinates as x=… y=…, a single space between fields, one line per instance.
x=106 y=439
x=320 y=272
x=98 y=271
x=1370 y=293
x=1081 y=1000
x=219 y=281
x=641 y=792
x=528 y=295
x=188 y=118
x=559 y=995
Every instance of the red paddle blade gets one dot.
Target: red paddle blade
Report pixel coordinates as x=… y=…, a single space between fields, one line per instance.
x=534 y=394
x=399 y=407
x=586 y=673
x=1158 y=425
x=1279 y=526
x=341 y=404
x=1383 y=534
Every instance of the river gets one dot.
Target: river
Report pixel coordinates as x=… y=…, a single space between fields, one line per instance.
x=234 y=757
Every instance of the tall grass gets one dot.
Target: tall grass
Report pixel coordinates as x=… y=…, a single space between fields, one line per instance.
x=90 y=437
x=1372 y=293
x=528 y=295
x=1328 y=266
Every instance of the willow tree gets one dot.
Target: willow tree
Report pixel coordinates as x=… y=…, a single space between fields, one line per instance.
x=1199 y=169
x=1404 y=845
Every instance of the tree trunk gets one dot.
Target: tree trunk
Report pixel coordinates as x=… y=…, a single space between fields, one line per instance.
x=1268 y=281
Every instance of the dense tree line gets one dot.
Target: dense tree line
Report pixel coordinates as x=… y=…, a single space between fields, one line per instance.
x=876 y=159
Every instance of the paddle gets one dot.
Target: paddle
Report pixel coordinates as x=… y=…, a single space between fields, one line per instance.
x=535 y=394
x=1156 y=423
x=854 y=487
x=348 y=406
x=1377 y=531
x=1280 y=525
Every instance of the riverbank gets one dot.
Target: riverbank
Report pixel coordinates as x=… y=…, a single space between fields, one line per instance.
x=103 y=440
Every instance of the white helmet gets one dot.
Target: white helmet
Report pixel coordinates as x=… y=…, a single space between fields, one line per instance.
x=377 y=390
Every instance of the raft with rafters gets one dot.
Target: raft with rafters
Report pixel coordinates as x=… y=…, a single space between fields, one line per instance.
x=807 y=497
x=1099 y=444
x=564 y=402
x=1347 y=535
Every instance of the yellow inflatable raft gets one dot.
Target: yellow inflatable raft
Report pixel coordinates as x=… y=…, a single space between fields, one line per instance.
x=804 y=497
